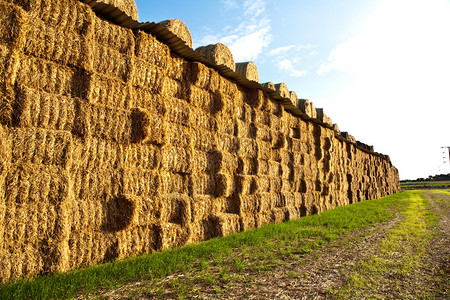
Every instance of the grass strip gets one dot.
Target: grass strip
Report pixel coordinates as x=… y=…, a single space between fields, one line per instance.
x=399 y=256
x=324 y=228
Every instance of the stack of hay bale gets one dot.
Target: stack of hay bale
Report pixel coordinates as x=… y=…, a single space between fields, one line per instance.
x=112 y=145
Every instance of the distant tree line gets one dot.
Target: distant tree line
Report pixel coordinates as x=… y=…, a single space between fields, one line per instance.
x=440 y=177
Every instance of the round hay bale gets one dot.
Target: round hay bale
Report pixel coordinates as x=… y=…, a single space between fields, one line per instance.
x=305 y=106
x=248 y=69
x=269 y=85
x=283 y=90
x=179 y=29
x=127 y=6
x=336 y=128
x=218 y=54
x=294 y=98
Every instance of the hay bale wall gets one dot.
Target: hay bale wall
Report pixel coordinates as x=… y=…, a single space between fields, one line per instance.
x=115 y=146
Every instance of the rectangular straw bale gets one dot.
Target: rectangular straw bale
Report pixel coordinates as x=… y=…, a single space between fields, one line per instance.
x=250 y=166
x=9 y=65
x=13 y=25
x=262 y=117
x=225 y=124
x=201 y=98
x=198 y=118
x=46 y=42
x=28 y=183
x=247 y=221
x=199 y=75
x=170 y=235
x=112 y=63
x=103 y=182
x=276 y=185
x=179 y=68
x=112 y=92
x=248 y=148
x=149 y=49
x=117 y=37
x=244 y=112
x=108 y=123
x=296 y=145
x=148 y=76
x=275 y=169
x=148 y=100
x=246 y=184
x=225 y=184
x=46 y=76
x=226 y=224
x=278 y=215
x=92 y=154
x=203 y=140
x=177 y=135
x=7 y=102
x=67 y=15
x=275 y=108
x=228 y=87
x=176 y=209
x=263 y=133
x=44 y=110
x=277 y=139
x=263 y=218
x=203 y=184
x=177 y=111
x=202 y=206
x=40 y=146
x=141 y=182
x=249 y=204
x=176 y=160
x=227 y=143
x=147 y=211
x=176 y=88
x=135 y=241
x=229 y=162
x=146 y=156
x=175 y=183
x=264 y=150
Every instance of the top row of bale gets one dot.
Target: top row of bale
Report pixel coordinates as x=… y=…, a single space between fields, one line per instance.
x=220 y=55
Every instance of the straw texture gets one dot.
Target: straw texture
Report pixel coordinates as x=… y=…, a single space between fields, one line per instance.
x=114 y=146
x=218 y=54
x=180 y=29
x=248 y=69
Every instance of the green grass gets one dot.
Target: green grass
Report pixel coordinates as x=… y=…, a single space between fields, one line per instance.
x=267 y=243
x=398 y=255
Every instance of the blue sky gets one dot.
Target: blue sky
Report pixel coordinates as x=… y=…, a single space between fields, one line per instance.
x=379 y=68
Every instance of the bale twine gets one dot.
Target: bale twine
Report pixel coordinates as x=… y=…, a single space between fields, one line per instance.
x=179 y=29
x=283 y=90
x=218 y=54
x=127 y=6
x=248 y=69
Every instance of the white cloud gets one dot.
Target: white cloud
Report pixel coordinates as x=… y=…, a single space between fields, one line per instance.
x=230 y=4
x=289 y=58
x=280 y=50
x=250 y=37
